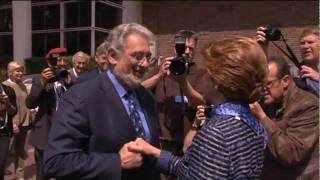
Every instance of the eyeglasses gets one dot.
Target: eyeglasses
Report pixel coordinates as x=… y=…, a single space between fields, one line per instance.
x=270 y=83
x=140 y=55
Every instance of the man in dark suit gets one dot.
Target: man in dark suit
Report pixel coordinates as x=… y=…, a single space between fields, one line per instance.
x=47 y=88
x=102 y=64
x=98 y=119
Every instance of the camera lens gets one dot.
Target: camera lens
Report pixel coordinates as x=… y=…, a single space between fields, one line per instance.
x=273 y=34
x=178 y=66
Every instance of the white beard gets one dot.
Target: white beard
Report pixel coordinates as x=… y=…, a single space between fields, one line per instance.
x=128 y=80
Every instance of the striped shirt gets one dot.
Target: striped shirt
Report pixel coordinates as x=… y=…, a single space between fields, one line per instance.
x=230 y=146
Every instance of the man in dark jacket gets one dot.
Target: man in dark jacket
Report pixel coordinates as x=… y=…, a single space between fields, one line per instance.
x=97 y=119
x=47 y=88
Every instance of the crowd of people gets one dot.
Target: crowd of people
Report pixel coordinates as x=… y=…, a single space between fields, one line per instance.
x=245 y=116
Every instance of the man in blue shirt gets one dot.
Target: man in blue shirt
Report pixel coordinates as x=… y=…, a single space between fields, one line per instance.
x=98 y=119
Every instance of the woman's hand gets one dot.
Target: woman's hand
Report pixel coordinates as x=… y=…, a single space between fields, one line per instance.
x=142 y=146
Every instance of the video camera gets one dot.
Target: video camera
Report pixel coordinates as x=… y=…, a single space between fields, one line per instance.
x=180 y=65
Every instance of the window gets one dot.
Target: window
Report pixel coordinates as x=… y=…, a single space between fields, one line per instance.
x=76 y=25
x=42 y=0
x=5 y=3
x=78 y=14
x=42 y=43
x=6 y=37
x=6 y=20
x=100 y=37
x=46 y=17
x=6 y=45
x=78 y=41
x=107 y=16
x=116 y=1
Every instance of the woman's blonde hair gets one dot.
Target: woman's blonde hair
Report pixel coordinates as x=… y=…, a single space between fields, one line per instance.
x=238 y=66
x=13 y=65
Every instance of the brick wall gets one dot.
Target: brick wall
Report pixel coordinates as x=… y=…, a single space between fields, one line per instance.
x=214 y=20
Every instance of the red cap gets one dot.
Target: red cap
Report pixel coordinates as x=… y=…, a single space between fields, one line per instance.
x=56 y=52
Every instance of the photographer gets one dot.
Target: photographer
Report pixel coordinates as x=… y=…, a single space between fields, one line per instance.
x=308 y=76
x=176 y=93
x=46 y=90
x=293 y=131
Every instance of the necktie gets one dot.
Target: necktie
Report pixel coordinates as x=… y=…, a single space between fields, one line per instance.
x=134 y=115
x=59 y=89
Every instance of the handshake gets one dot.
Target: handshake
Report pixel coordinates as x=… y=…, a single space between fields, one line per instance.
x=131 y=153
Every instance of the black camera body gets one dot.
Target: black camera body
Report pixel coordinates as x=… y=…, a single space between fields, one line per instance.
x=207 y=110
x=180 y=65
x=59 y=73
x=273 y=34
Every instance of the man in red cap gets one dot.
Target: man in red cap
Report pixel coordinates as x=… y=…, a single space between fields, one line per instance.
x=47 y=88
x=57 y=57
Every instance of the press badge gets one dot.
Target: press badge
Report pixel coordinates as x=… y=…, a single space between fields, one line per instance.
x=178 y=99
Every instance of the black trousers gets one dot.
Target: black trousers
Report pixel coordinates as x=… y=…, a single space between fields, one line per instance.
x=38 y=156
x=4 y=148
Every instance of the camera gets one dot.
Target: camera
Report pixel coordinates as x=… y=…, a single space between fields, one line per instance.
x=59 y=73
x=273 y=34
x=179 y=65
x=207 y=110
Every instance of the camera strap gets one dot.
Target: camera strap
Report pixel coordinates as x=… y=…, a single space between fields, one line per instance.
x=291 y=55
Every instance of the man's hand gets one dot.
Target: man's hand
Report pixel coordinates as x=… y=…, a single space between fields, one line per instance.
x=309 y=72
x=257 y=110
x=130 y=159
x=164 y=67
x=261 y=35
x=142 y=146
x=46 y=75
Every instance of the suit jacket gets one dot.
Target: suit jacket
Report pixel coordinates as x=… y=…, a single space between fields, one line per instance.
x=72 y=76
x=89 y=129
x=44 y=98
x=293 y=148
x=87 y=75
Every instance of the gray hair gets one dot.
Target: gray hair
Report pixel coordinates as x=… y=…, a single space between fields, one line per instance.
x=81 y=55
x=102 y=49
x=118 y=36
